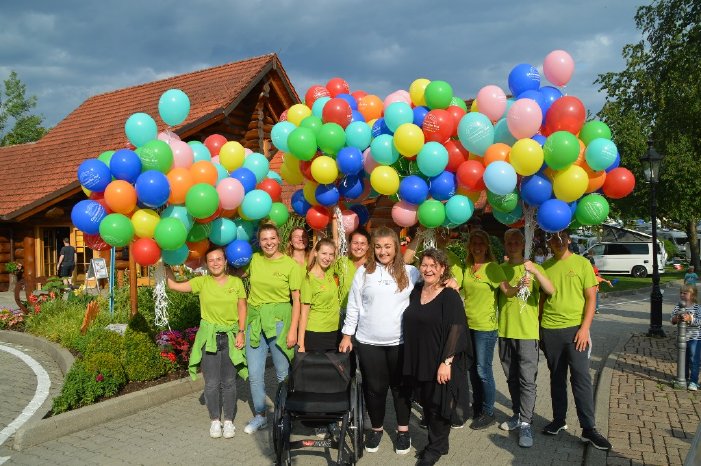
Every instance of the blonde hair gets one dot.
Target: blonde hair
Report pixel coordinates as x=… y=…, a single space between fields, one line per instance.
x=470 y=260
x=692 y=291
x=513 y=232
x=396 y=268
x=317 y=247
x=289 y=249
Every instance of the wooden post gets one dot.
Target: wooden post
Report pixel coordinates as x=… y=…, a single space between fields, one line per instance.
x=133 y=297
x=30 y=271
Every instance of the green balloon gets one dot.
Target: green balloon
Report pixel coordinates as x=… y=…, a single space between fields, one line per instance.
x=438 y=94
x=302 y=143
x=592 y=209
x=117 y=230
x=312 y=122
x=106 y=157
x=278 y=213
x=458 y=102
x=561 y=150
x=331 y=138
x=199 y=231
x=170 y=234
x=202 y=200
x=593 y=130
x=156 y=155
x=431 y=213
x=506 y=203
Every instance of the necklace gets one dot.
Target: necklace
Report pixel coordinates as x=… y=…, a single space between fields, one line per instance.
x=429 y=293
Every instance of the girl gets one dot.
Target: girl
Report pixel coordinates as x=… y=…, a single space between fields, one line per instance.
x=223 y=309
x=690 y=312
x=346 y=266
x=297 y=245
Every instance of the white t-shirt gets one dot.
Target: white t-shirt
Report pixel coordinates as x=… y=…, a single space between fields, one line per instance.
x=375 y=306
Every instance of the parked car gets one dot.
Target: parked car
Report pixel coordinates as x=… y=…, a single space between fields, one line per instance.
x=634 y=258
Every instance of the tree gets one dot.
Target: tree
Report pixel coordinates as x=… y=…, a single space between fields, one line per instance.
x=16 y=108
x=658 y=97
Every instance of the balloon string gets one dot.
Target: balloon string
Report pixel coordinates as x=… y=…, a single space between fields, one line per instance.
x=160 y=297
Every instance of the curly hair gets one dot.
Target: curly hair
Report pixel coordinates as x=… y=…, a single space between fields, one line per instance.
x=396 y=269
x=440 y=258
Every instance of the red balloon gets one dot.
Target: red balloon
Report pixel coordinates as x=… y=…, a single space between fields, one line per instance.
x=271 y=187
x=305 y=167
x=337 y=111
x=318 y=217
x=214 y=143
x=457 y=113
x=197 y=249
x=337 y=86
x=95 y=242
x=357 y=95
x=619 y=183
x=314 y=93
x=211 y=217
x=438 y=126
x=457 y=154
x=146 y=251
x=565 y=114
x=469 y=175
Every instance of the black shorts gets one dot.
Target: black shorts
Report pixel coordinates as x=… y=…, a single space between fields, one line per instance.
x=322 y=341
x=65 y=270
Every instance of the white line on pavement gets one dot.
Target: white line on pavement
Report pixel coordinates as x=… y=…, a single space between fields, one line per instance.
x=40 y=395
x=3 y=459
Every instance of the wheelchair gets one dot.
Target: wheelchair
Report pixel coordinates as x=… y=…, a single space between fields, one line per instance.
x=321 y=389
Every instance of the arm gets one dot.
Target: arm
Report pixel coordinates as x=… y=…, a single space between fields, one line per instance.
x=545 y=283
x=292 y=334
x=334 y=232
x=456 y=339
x=242 y=308
x=410 y=252
x=350 y=324
x=675 y=315
x=183 y=287
x=303 y=319
x=581 y=339
x=60 y=260
x=508 y=290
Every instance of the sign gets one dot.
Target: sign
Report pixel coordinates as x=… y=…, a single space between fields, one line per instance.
x=99 y=268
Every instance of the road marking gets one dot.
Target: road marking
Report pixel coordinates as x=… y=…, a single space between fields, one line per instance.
x=3 y=459
x=40 y=395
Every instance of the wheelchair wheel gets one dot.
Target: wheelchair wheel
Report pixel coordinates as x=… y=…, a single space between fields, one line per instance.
x=357 y=416
x=280 y=431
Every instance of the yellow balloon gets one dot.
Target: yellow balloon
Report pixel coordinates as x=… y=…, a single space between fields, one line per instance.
x=297 y=113
x=309 y=192
x=290 y=171
x=385 y=180
x=145 y=222
x=417 y=90
x=570 y=183
x=86 y=191
x=231 y=155
x=371 y=123
x=408 y=139
x=473 y=107
x=526 y=157
x=324 y=169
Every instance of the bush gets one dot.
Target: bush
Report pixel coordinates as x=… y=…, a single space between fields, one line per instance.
x=142 y=358
x=83 y=386
x=108 y=370
x=104 y=341
x=670 y=248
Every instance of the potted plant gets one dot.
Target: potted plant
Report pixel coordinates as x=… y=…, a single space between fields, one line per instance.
x=14 y=269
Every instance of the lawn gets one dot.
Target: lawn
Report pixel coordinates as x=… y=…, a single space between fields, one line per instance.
x=626 y=282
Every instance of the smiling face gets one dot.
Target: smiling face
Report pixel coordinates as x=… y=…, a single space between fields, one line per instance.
x=269 y=242
x=359 y=246
x=478 y=248
x=216 y=263
x=513 y=245
x=558 y=243
x=325 y=256
x=431 y=271
x=299 y=239
x=385 y=250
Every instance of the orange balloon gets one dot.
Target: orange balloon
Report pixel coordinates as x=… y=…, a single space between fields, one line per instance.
x=596 y=179
x=370 y=106
x=197 y=249
x=581 y=160
x=180 y=180
x=495 y=152
x=120 y=197
x=550 y=173
x=204 y=172
x=229 y=213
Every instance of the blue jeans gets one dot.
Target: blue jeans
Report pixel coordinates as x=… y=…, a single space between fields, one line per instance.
x=256 y=366
x=481 y=372
x=693 y=357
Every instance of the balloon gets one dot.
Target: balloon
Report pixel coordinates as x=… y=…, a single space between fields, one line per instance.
x=352 y=187
x=383 y=150
x=199 y=151
x=592 y=209
x=558 y=67
x=140 y=128
x=313 y=93
x=508 y=218
x=417 y=90
x=106 y=157
x=442 y=186
x=496 y=152
x=396 y=96
x=413 y=189
x=120 y=197
x=202 y=200
x=593 y=130
x=524 y=118
x=156 y=155
x=370 y=106
x=554 y=215
x=500 y=178
x=349 y=160
x=144 y=222
x=432 y=159
x=95 y=242
x=125 y=165
x=146 y=251
x=199 y=232
x=223 y=231
x=256 y=204
x=337 y=111
x=318 y=107
x=571 y=183
x=408 y=139
x=214 y=142
x=502 y=133
x=384 y=180
x=278 y=213
x=358 y=135
x=231 y=155
x=349 y=220
x=492 y=101
x=246 y=177
x=379 y=127
x=536 y=189
x=302 y=143
x=239 y=253
x=170 y=233
x=476 y=132
x=550 y=94
x=505 y=203
x=457 y=154
x=299 y=203
x=619 y=183
x=331 y=138
x=438 y=94
x=565 y=114
x=258 y=164
x=419 y=115
x=94 y=175
x=327 y=194
x=230 y=192
x=86 y=215
x=152 y=189
x=179 y=212
x=318 y=217
x=522 y=78
x=362 y=212
x=183 y=155
x=459 y=209
x=175 y=257
x=526 y=157
x=404 y=214
x=601 y=153
x=438 y=125
x=324 y=170
x=297 y=113
x=280 y=133
x=337 y=86
x=116 y=230
x=270 y=186
x=431 y=213
x=180 y=180
x=560 y=150
x=596 y=179
x=309 y=191
x=173 y=107
x=470 y=175
x=398 y=114
x=536 y=96
x=290 y=170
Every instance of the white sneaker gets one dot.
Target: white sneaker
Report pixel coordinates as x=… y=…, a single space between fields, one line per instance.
x=229 y=429
x=257 y=423
x=693 y=387
x=215 y=429
x=513 y=423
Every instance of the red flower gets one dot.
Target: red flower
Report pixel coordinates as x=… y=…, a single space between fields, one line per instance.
x=100 y=378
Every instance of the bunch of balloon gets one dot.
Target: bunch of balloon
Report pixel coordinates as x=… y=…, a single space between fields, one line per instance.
x=169 y=199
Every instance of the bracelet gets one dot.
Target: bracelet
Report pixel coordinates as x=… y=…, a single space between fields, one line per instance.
x=447 y=363
x=241 y=331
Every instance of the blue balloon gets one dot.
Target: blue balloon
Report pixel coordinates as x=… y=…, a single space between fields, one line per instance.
x=573 y=207
x=550 y=95
x=173 y=106
x=540 y=139
x=299 y=203
x=419 y=115
x=125 y=165
x=508 y=218
x=244 y=229
x=616 y=163
x=502 y=133
x=350 y=99
x=413 y=189
x=442 y=186
x=94 y=175
x=351 y=187
x=140 y=129
x=536 y=189
x=523 y=77
x=223 y=231
x=356 y=116
x=86 y=215
x=358 y=134
x=349 y=160
x=318 y=107
x=180 y=212
x=278 y=135
x=175 y=256
x=500 y=177
x=327 y=195
x=200 y=151
x=554 y=215
x=239 y=253
x=362 y=212
x=246 y=177
x=380 y=127
x=152 y=189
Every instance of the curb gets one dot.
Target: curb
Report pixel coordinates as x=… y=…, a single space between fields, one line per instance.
x=58 y=353
x=643 y=290
x=115 y=408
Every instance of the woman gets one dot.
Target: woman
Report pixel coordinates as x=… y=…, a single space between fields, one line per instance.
x=346 y=266
x=216 y=349
x=273 y=315
x=518 y=335
x=455 y=265
x=436 y=347
x=481 y=280
x=378 y=296
x=297 y=245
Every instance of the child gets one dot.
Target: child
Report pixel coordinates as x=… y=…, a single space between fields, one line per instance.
x=690 y=312
x=599 y=280
x=690 y=278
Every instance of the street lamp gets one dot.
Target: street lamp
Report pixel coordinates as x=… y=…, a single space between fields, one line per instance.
x=652 y=160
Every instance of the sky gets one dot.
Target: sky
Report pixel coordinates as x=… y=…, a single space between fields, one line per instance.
x=66 y=51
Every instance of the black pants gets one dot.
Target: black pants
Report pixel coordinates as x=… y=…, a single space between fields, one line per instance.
x=438 y=426
x=381 y=367
x=560 y=352
x=322 y=341
x=219 y=381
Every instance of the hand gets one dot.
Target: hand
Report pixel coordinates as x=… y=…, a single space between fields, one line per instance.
x=300 y=349
x=529 y=266
x=452 y=283
x=443 y=373
x=525 y=281
x=582 y=339
x=687 y=318
x=240 y=340
x=291 y=338
x=346 y=344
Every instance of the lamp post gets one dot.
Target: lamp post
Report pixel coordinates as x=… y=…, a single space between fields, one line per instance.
x=652 y=161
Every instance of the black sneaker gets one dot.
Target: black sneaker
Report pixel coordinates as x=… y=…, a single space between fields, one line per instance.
x=403 y=445
x=555 y=427
x=372 y=440
x=482 y=422
x=597 y=440
x=423 y=423
x=427 y=458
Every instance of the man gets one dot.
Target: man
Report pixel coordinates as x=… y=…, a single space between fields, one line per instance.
x=566 y=318
x=66 y=262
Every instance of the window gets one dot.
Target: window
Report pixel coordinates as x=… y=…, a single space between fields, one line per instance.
x=617 y=249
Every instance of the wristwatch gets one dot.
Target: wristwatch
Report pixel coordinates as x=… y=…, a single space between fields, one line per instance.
x=241 y=331
x=447 y=363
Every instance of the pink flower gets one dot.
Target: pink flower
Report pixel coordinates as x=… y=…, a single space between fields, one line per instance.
x=100 y=378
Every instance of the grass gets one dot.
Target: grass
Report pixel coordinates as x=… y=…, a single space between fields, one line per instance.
x=626 y=282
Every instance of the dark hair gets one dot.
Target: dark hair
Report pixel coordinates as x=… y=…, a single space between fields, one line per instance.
x=66 y=240
x=360 y=231
x=265 y=227
x=396 y=268
x=440 y=258
x=211 y=249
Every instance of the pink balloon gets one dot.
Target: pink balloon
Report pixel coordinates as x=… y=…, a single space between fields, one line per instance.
x=168 y=136
x=350 y=220
x=369 y=162
x=524 y=118
x=231 y=193
x=491 y=101
x=404 y=214
x=183 y=156
x=247 y=151
x=397 y=96
x=215 y=159
x=558 y=67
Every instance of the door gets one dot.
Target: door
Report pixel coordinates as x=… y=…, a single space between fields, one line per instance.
x=49 y=248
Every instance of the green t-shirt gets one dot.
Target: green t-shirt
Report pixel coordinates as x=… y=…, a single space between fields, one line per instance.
x=322 y=296
x=479 y=290
x=518 y=318
x=570 y=277
x=345 y=269
x=218 y=303
x=272 y=279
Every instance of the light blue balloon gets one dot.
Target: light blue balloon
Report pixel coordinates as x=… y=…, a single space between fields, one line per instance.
x=383 y=150
x=179 y=212
x=256 y=204
x=223 y=231
x=140 y=129
x=600 y=154
x=274 y=176
x=476 y=132
x=432 y=158
x=509 y=102
x=222 y=172
x=199 y=151
x=459 y=209
x=244 y=229
x=176 y=256
x=359 y=135
x=502 y=133
x=398 y=113
x=318 y=107
x=510 y=217
x=279 y=134
x=258 y=164
x=173 y=106
x=500 y=177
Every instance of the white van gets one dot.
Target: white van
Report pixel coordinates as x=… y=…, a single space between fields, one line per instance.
x=627 y=258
